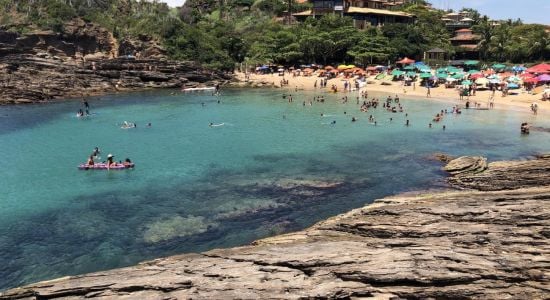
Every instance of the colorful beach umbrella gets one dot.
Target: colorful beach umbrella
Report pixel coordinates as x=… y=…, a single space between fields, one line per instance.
x=499 y=66
x=473 y=71
x=406 y=61
x=513 y=86
x=466 y=82
x=471 y=63
x=397 y=72
x=408 y=68
x=541 y=68
x=458 y=76
x=425 y=75
x=411 y=73
x=544 y=78
x=442 y=75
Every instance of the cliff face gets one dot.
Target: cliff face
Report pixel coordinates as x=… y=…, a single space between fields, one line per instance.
x=447 y=245
x=42 y=66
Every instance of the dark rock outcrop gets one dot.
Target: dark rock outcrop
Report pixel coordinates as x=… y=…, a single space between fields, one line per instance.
x=446 y=245
x=496 y=176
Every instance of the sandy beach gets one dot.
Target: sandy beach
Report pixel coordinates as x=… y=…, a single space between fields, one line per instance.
x=519 y=100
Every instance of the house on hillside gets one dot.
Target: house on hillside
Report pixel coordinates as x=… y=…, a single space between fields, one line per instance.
x=466 y=43
x=456 y=21
x=363 y=12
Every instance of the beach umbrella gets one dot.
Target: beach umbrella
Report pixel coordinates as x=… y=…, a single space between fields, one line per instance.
x=425 y=75
x=531 y=80
x=541 y=68
x=328 y=68
x=408 y=68
x=441 y=75
x=473 y=71
x=458 y=76
x=471 y=63
x=499 y=66
x=405 y=61
x=411 y=73
x=513 y=86
x=544 y=78
x=476 y=76
x=514 y=79
x=441 y=70
x=397 y=72
x=466 y=82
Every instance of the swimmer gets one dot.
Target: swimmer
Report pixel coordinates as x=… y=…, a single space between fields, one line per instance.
x=353 y=119
x=333 y=122
x=407 y=123
x=430 y=125
x=148 y=124
x=443 y=127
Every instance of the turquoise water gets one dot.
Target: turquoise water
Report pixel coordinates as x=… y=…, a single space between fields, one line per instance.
x=197 y=187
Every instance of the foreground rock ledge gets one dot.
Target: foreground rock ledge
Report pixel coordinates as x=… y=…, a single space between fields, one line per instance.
x=446 y=245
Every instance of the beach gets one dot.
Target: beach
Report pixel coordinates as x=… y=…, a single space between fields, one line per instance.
x=517 y=102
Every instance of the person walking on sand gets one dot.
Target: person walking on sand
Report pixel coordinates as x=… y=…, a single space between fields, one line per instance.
x=428 y=93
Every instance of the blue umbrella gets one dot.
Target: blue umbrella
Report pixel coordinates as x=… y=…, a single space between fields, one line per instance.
x=513 y=86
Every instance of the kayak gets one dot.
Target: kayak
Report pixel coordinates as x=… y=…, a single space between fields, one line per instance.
x=102 y=166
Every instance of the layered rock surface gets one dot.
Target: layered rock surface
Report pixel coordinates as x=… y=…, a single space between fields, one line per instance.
x=41 y=66
x=446 y=245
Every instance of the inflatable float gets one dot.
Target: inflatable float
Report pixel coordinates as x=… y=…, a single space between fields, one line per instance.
x=102 y=166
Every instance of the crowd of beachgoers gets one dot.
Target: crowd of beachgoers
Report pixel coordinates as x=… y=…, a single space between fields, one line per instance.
x=472 y=85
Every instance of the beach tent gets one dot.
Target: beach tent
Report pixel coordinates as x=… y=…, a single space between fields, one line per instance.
x=544 y=78
x=541 y=68
x=405 y=61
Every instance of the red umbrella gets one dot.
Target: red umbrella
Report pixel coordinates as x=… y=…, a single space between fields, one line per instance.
x=405 y=61
x=531 y=80
x=542 y=68
x=476 y=76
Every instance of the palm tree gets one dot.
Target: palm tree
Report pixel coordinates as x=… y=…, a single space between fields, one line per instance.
x=485 y=30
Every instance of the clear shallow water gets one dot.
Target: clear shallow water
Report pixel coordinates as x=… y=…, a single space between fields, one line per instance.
x=197 y=187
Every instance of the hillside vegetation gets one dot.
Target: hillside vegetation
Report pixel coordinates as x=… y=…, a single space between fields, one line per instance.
x=221 y=33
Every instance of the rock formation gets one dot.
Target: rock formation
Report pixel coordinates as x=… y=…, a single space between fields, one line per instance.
x=446 y=245
x=42 y=65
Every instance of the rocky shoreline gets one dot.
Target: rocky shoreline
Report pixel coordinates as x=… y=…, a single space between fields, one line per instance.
x=488 y=240
x=86 y=59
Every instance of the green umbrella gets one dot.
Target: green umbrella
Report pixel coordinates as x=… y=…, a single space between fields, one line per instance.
x=425 y=75
x=408 y=68
x=466 y=82
x=453 y=70
x=441 y=70
x=411 y=73
x=473 y=71
x=471 y=63
x=458 y=76
x=442 y=75
x=499 y=66
x=397 y=72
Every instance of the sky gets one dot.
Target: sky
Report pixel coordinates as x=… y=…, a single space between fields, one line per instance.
x=174 y=3
x=530 y=11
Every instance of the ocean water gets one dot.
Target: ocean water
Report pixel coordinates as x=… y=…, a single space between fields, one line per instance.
x=269 y=168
